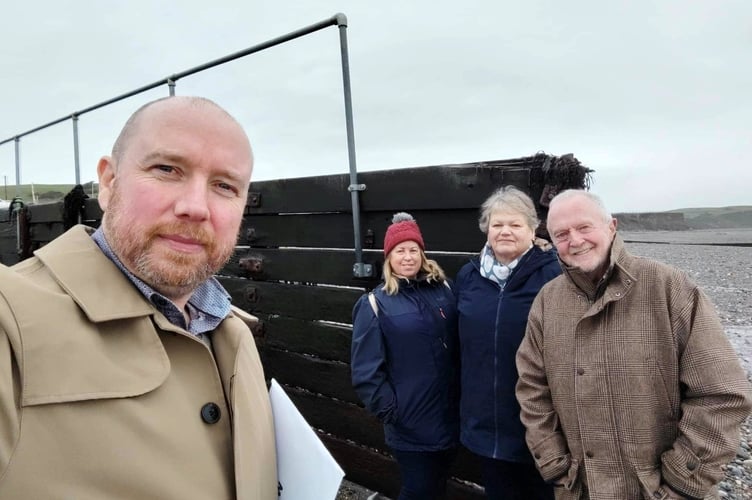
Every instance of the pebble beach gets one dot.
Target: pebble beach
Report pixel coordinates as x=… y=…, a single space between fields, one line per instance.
x=725 y=274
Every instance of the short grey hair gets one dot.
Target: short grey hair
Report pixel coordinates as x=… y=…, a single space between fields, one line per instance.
x=508 y=198
x=596 y=200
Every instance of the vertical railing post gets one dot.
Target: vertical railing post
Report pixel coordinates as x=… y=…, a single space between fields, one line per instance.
x=18 y=163
x=171 y=85
x=74 y=118
x=360 y=269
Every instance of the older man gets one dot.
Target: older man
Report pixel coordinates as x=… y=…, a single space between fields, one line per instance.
x=124 y=370
x=628 y=386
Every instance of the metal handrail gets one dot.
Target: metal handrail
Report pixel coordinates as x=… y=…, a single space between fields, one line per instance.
x=337 y=19
x=360 y=269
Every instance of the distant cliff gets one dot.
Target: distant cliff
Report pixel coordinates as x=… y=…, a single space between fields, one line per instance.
x=652 y=221
x=719 y=217
x=687 y=218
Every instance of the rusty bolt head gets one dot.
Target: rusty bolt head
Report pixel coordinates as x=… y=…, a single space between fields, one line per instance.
x=253 y=265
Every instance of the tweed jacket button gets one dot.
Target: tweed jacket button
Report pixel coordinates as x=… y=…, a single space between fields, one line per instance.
x=580 y=371
x=210 y=413
x=589 y=454
x=657 y=494
x=691 y=465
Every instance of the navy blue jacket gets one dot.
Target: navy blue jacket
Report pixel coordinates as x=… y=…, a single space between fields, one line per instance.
x=404 y=364
x=492 y=324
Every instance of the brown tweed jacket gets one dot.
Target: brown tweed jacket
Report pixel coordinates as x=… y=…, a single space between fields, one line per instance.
x=630 y=385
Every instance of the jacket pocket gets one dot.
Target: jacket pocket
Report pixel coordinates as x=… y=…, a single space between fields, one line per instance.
x=569 y=482
x=650 y=482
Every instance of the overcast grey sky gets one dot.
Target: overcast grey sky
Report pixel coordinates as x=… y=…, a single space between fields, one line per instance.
x=653 y=95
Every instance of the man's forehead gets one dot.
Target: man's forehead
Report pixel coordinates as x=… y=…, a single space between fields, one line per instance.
x=579 y=208
x=176 y=124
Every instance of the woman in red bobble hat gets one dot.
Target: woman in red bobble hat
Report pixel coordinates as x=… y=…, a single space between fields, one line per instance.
x=404 y=355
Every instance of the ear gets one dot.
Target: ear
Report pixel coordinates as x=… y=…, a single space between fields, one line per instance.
x=106 y=174
x=612 y=225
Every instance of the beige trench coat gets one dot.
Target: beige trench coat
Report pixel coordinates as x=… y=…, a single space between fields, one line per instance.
x=630 y=388
x=101 y=397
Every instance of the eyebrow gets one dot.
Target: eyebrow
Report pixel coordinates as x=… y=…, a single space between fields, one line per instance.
x=176 y=158
x=162 y=155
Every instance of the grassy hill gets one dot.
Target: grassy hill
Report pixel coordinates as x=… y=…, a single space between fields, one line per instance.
x=43 y=192
x=717 y=217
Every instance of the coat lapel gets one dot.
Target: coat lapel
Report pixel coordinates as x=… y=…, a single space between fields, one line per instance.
x=94 y=355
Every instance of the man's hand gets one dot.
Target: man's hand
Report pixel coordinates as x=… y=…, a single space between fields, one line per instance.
x=673 y=494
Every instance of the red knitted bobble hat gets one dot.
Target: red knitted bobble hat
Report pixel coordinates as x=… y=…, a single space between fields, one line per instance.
x=403 y=228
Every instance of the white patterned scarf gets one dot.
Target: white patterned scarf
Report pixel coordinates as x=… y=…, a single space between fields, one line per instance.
x=493 y=270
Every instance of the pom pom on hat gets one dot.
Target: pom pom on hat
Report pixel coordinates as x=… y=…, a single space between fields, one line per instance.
x=403 y=228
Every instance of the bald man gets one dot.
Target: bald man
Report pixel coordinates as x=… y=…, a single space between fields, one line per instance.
x=628 y=386
x=124 y=370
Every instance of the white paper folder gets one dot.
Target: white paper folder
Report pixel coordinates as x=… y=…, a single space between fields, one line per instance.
x=305 y=468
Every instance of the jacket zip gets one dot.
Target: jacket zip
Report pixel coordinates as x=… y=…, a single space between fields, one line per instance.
x=421 y=297
x=496 y=373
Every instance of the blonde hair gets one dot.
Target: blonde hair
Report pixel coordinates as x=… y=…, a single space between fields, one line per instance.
x=429 y=267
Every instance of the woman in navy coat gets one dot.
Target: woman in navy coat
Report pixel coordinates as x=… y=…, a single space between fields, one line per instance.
x=404 y=357
x=495 y=291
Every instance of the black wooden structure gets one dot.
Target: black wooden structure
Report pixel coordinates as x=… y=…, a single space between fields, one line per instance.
x=293 y=268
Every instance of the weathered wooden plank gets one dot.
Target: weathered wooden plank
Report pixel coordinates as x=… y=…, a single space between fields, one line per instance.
x=379 y=472
x=8 y=240
x=344 y=420
x=8 y=258
x=368 y=468
x=354 y=423
x=448 y=230
x=93 y=214
x=292 y=300
x=326 y=341
x=421 y=188
x=46 y=212
x=330 y=378
x=53 y=212
x=323 y=266
x=44 y=232
x=9 y=233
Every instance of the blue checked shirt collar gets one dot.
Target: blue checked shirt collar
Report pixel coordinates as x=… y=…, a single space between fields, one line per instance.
x=208 y=306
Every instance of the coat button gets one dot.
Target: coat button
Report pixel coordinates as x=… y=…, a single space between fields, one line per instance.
x=657 y=494
x=580 y=371
x=691 y=465
x=589 y=454
x=210 y=413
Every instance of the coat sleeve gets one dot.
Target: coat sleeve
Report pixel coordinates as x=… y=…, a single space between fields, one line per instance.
x=715 y=398
x=543 y=433
x=368 y=363
x=10 y=417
